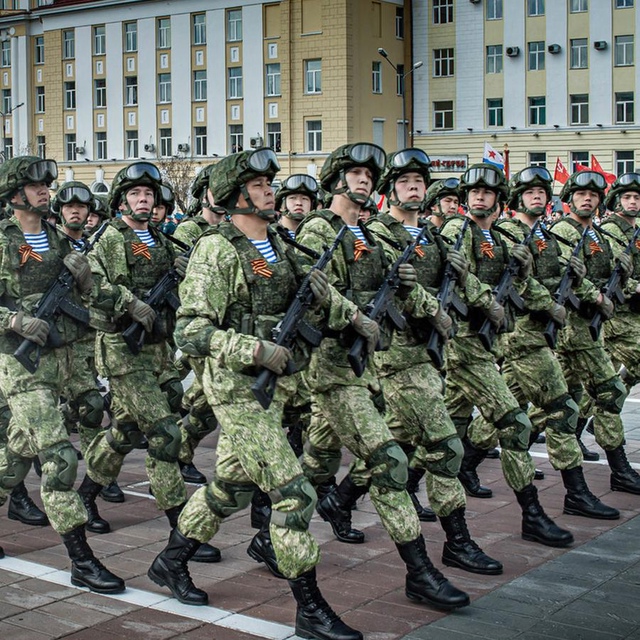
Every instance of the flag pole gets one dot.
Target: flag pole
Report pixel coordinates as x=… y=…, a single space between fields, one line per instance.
x=506 y=161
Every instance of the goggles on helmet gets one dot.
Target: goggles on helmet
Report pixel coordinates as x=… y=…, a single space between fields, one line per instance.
x=590 y=178
x=298 y=180
x=488 y=175
x=629 y=179
x=42 y=171
x=261 y=159
x=363 y=152
x=534 y=173
x=166 y=195
x=450 y=183
x=405 y=157
x=141 y=169
x=74 y=194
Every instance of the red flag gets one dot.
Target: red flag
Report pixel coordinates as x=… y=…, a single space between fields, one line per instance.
x=596 y=166
x=561 y=174
x=581 y=167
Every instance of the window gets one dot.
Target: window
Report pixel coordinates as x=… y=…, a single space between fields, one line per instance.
x=579 y=53
x=376 y=77
x=99 y=41
x=313 y=76
x=131 y=91
x=100 y=94
x=443 y=114
x=101 y=145
x=234 y=25
x=6 y=101
x=274 y=136
x=494 y=9
x=400 y=80
x=132 y=143
x=579 y=108
x=314 y=135
x=538 y=110
x=41 y=144
x=400 y=22
x=494 y=112
x=494 y=58
x=70 y=147
x=130 y=37
x=69 y=95
x=378 y=131
x=273 y=79
x=535 y=7
x=624 y=108
x=235 y=82
x=68 y=45
x=8 y=148
x=442 y=63
x=164 y=33
x=199 y=85
x=199 y=28
x=8 y=4
x=442 y=11
x=40 y=104
x=623 y=51
x=579 y=157
x=624 y=4
x=200 y=137
x=536 y=56
x=164 y=87
x=39 y=49
x=165 y=143
x=624 y=162
x=5 y=58
x=578 y=6
x=537 y=159
x=235 y=137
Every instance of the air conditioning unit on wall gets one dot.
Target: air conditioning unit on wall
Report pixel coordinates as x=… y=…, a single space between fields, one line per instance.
x=512 y=52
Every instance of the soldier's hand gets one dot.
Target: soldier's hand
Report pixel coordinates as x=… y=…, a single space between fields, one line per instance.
x=368 y=329
x=579 y=270
x=408 y=279
x=79 y=267
x=319 y=284
x=442 y=322
x=460 y=264
x=495 y=314
x=180 y=264
x=524 y=257
x=141 y=312
x=271 y=356
x=605 y=306
x=558 y=313
x=31 y=328
x=626 y=265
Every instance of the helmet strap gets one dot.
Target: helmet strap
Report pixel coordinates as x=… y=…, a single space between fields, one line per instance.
x=580 y=214
x=266 y=214
x=356 y=198
x=485 y=213
x=27 y=206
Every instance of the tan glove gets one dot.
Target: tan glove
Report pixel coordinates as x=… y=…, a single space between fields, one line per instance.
x=579 y=270
x=558 y=313
x=460 y=264
x=495 y=314
x=368 y=329
x=408 y=279
x=271 y=356
x=441 y=322
x=605 y=305
x=79 y=267
x=30 y=328
x=319 y=284
x=141 y=312
x=626 y=265
x=524 y=257
x=180 y=264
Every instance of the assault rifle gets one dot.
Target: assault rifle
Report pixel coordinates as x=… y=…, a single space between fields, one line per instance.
x=382 y=306
x=612 y=289
x=448 y=298
x=564 y=294
x=54 y=302
x=504 y=293
x=292 y=325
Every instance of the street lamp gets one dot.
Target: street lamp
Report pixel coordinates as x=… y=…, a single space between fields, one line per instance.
x=4 y=115
x=416 y=65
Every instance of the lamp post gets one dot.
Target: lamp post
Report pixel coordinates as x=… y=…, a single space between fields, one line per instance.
x=4 y=115
x=414 y=66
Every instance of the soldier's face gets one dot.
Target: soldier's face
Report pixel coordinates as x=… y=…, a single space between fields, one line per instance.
x=359 y=180
x=410 y=187
x=298 y=203
x=37 y=195
x=448 y=206
x=261 y=194
x=585 y=200
x=93 y=220
x=74 y=213
x=630 y=201
x=481 y=198
x=140 y=200
x=159 y=214
x=534 y=198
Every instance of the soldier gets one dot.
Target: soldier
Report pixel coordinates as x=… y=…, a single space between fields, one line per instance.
x=163 y=211
x=32 y=254
x=586 y=364
x=442 y=200
x=130 y=257
x=97 y=215
x=240 y=279
x=296 y=197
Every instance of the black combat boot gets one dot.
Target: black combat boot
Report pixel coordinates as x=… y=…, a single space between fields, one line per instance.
x=590 y=456
x=425 y=514
x=190 y=473
x=1 y=553
x=261 y=550
x=112 y=493
x=468 y=476
x=294 y=437
x=537 y=526
x=623 y=477
x=24 y=509
x=579 y=500
x=461 y=551
x=314 y=617
x=424 y=582
x=170 y=570
x=86 y=569
x=260 y=509
x=335 y=509
x=88 y=492
x=538 y=474
x=326 y=487
x=206 y=552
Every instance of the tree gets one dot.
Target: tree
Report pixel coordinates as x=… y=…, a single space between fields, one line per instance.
x=179 y=171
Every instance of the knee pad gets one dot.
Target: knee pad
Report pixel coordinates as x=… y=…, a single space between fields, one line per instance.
x=448 y=465
x=124 y=438
x=226 y=498
x=302 y=497
x=91 y=409
x=15 y=471
x=65 y=467
x=200 y=424
x=610 y=395
x=514 y=430
x=389 y=467
x=562 y=414
x=327 y=460
x=174 y=392
x=461 y=424
x=165 y=440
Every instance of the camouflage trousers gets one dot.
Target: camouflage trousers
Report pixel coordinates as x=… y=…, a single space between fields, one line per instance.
x=473 y=380
x=622 y=342
x=36 y=427
x=138 y=403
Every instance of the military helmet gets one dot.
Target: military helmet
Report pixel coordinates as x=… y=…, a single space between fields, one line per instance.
x=580 y=180
x=100 y=206
x=347 y=156
x=400 y=162
x=72 y=191
x=487 y=175
x=17 y=172
x=167 y=198
x=625 y=182
x=440 y=189
x=200 y=183
x=136 y=174
x=525 y=179
x=301 y=183
x=228 y=176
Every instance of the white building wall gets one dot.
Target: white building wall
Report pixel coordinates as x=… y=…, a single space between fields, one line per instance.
x=84 y=91
x=147 y=123
x=556 y=64
x=115 y=90
x=515 y=99
x=216 y=84
x=181 y=80
x=253 y=73
x=421 y=98
x=600 y=64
